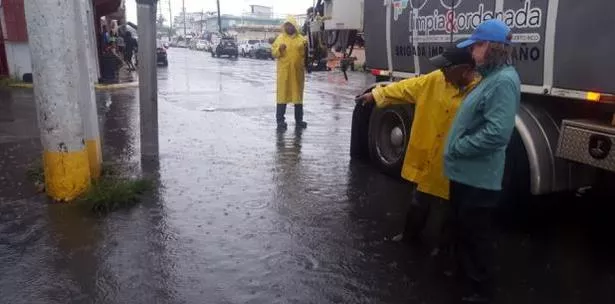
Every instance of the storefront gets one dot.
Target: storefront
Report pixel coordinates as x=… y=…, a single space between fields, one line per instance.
x=14 y=51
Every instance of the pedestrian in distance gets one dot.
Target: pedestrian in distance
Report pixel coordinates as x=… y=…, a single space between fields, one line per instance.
x=289 y=50
x=475 y=154
x=130 y=49
x=436 y=97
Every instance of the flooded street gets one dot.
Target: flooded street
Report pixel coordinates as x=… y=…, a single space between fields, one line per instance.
x=247 y=214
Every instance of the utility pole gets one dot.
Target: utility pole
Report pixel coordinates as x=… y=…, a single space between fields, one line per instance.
x=148 y=83
x=170 y=22
x=202 y=20
x=219 y=19
x=184 y=10
x=53 y=50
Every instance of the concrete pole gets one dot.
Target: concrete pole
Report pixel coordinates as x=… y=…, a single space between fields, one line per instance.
x=148 y=82
x=92 y=34
x=53 y=49
x=87 y=98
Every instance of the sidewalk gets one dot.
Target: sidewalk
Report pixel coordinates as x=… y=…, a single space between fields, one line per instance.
x=19 y=143
x=126 y=80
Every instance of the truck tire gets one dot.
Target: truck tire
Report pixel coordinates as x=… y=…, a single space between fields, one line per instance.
x=389 y=131
x=359 y=145
x=383 y=78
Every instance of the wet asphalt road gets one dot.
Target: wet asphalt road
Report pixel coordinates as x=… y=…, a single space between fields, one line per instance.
x=245 y=214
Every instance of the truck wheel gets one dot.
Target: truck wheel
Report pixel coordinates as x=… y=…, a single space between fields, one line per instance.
x=359 y=144
x=382 y=78
x=389 y=131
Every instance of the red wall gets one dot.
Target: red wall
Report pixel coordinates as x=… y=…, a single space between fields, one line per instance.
x=15 y=20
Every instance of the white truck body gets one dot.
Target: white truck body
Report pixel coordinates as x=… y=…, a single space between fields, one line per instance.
x=562 y=49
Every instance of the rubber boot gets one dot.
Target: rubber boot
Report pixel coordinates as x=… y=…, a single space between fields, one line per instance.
x=279 y=116
x=299 y=116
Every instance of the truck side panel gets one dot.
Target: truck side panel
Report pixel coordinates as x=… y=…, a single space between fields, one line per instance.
x=374 y=25
x=581 y=48
x=403 y=51
x=529 y=29
x=585 y=44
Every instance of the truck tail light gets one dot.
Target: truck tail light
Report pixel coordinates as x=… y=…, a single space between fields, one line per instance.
x=379 y=72
x=592 y=96
x=598 y=97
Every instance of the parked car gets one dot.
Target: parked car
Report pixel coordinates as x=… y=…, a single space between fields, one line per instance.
x=246 y=46
x=181 y=44
x=161 y=54
x=201 y=45
x=261 y=50
x=226 y=47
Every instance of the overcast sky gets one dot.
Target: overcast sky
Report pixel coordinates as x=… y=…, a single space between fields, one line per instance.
x=280 y=7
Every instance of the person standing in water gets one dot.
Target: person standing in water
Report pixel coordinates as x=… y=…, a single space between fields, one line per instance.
x=289 y=50
x=475 y=154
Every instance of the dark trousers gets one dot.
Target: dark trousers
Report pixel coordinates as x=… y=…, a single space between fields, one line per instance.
x=429 y=216
x=281 y=111
x=128 y=59
x=473 y=210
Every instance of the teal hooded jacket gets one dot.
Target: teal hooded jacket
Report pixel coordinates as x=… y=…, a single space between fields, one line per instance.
x=475 y=151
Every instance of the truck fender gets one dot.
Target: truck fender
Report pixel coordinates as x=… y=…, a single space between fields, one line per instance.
x=539 y=132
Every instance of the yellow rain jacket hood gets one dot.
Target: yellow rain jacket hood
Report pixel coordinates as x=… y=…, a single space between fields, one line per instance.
x=290 y=65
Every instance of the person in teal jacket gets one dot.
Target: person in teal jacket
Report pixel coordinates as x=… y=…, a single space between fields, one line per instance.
x=475 y=154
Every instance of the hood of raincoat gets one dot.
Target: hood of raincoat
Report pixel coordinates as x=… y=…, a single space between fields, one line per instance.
x=293 y=21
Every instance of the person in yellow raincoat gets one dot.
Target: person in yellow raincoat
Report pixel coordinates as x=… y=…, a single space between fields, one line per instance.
x=289 y=49
x=436 y=96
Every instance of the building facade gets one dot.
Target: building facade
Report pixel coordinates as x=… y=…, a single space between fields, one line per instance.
x=15 y=60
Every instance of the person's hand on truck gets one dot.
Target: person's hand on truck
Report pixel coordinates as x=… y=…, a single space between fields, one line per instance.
x=364 y=99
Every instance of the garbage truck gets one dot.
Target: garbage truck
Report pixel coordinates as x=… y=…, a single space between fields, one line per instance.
x=563 y=50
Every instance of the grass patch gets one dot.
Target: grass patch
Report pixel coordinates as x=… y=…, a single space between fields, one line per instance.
x=111 y=193
x=35 y=173
x=5 y=82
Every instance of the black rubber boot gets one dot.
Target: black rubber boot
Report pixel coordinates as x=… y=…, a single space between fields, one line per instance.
x=279 y=116
x=299 y=116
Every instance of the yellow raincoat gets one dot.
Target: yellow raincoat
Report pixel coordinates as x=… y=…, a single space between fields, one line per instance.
x=436 y=103
x=290 y=65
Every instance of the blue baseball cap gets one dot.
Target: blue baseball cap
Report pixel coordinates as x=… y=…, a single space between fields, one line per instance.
x=493 y=30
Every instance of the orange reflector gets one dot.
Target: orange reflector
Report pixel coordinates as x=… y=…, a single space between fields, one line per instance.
x=592 y=96
x=376 y=72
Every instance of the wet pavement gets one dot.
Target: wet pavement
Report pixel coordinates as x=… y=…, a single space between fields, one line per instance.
x=246 y=214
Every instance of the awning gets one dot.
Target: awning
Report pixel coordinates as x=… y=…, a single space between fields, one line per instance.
x=106 y=7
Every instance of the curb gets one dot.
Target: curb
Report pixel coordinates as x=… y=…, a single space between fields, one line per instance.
x=114 y=86
x=99 y=87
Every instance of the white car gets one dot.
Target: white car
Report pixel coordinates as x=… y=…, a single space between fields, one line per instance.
x=246 y=46
x=201 y=45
